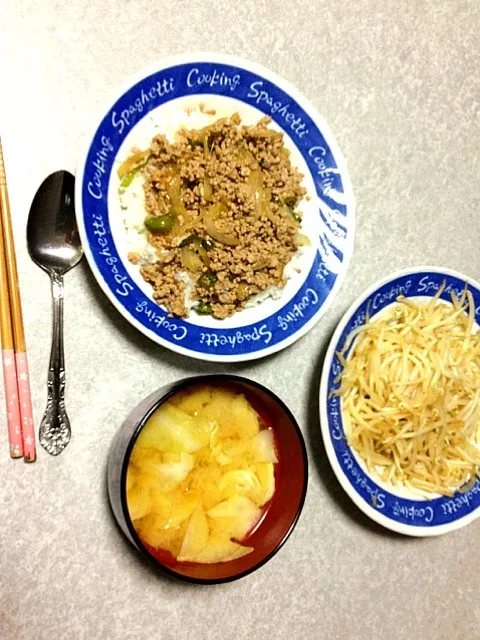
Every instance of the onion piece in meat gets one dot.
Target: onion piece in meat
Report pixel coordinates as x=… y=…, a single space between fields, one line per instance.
x=210 y=217
x=206 y=152
x=207 y=189
x=261 y=195
x=174 y=183
x=224 y=238
x=260 y=264
x=190 y=260
x=242 y=291
x=192 y=221
x=245 y=157
x=132 y=162
x=302 y=240
x=176 y=227
x=202 y=255
x=196 y=244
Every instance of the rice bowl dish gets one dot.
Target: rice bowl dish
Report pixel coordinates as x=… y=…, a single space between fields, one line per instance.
x=224 y=169
x=112 y=225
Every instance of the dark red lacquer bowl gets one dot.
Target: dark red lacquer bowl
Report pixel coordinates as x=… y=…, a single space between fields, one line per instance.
x=291 y=477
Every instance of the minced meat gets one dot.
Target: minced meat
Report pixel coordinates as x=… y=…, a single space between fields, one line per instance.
x=221 y=203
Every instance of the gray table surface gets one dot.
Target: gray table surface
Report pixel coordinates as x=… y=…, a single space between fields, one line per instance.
x=398 y=83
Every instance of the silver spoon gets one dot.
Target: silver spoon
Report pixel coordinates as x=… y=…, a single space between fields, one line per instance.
x=54 y=245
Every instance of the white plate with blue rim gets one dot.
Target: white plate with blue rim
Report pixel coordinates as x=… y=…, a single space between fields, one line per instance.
x=150 y=103
x=395 y=508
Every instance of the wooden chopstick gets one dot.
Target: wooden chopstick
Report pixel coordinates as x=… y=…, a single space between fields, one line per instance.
x=15 y=305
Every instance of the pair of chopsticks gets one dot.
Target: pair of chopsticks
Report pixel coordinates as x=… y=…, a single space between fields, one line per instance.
x=21 y=431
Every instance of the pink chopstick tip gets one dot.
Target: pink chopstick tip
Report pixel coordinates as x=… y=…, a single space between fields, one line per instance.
x=25 y=401
x=13 y=405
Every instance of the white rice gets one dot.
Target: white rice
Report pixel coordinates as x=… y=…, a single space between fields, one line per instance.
x=132 y=204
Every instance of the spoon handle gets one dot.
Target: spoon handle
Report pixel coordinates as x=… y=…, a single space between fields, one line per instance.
x=55 y=429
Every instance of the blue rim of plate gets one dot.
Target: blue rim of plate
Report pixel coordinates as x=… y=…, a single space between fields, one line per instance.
x=407 y=516
x=254 y=85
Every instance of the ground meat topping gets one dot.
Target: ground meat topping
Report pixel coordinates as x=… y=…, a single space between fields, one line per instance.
x=222 y=201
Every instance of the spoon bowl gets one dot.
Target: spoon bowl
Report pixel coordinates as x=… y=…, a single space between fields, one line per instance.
x=52 y=235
